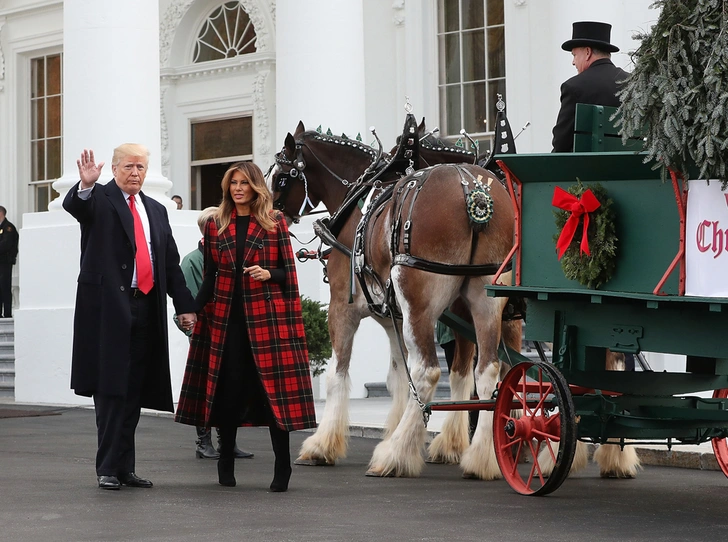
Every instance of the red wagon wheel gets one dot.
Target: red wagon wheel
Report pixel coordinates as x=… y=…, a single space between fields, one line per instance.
x=547 y=418
x=720 y=446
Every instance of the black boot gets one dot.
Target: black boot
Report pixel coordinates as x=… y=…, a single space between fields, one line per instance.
x=280 y=439
x=205 y=449
x=239 y=454
x=226 y=463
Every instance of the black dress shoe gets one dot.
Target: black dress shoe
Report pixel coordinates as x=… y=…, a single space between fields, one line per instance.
x=132 y=480
x=108 y=482
x=240 y=454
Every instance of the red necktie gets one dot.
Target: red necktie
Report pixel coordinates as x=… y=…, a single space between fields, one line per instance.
x=143 y=261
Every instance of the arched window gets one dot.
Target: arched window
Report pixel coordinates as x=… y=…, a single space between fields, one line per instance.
x=226 y=33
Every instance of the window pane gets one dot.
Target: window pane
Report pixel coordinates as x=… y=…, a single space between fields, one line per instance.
x=38 y=77
x=54 y=74
x=495 y=88
x=473 y=56
x=53 y=158
x=210 y=46
x=41 y=197
x=36 y=125
x=37 y=161
x=474 y=108
x=496 y=53
x=450 y=105
x=495 y=12
x=449 y=16
x=41 y=120
x=53 y=114
x=473 y=15
x=450 y=58
x=222 y=138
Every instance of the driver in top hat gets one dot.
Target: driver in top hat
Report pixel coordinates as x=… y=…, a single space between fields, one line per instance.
x=597 y=82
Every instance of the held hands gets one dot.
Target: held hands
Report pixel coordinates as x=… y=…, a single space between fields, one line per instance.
x=87 y=169
x=187 y=320
x=257 y=273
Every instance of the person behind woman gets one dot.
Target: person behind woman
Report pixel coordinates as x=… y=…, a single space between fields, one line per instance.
x=248 y=363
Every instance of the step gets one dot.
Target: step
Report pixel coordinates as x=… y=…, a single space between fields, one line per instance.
x=379 y=389
x=7 y=379
x=7 y=392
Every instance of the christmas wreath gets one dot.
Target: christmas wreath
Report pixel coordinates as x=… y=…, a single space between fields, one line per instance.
x=586 y=256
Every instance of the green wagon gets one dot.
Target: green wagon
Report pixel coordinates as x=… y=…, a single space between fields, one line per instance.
x=640 y=308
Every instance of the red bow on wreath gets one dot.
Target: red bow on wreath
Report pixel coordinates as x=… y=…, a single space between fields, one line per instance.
x=577 y=206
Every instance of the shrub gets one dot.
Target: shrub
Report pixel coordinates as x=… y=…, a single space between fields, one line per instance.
x=316 y=325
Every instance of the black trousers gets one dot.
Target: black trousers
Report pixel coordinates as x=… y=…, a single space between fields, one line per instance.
x=116 y=416
x=6 y=289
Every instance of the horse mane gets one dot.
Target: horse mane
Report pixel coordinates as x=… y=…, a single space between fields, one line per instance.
x=339 y=140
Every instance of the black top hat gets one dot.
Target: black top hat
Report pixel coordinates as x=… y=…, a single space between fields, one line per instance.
x=591 y=34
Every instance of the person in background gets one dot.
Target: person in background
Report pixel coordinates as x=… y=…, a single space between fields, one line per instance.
x=192 y=265
x=597 y=81
x=178 y=200
x=248 y=362
x=8 y=255
x=129 y=265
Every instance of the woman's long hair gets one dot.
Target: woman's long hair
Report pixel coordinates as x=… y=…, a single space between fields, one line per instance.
x=260 y=207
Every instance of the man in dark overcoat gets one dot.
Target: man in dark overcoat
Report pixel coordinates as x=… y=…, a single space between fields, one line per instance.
x=8 y=254
x=129 y=264
x=597 y=82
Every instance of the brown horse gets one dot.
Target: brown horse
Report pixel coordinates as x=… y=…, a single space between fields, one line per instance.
x=423 y=218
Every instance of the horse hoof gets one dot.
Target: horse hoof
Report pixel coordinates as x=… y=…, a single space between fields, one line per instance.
x=614 y=475
x=377 y=474
x=315 y=462
x=470 y=476
x=435 y=461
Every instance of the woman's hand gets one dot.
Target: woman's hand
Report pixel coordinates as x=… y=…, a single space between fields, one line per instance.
x=257 y=273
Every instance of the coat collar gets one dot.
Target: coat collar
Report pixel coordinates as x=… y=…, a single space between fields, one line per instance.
x=227 y=238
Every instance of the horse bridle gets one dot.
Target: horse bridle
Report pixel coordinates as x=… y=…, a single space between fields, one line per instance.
x=297 y=165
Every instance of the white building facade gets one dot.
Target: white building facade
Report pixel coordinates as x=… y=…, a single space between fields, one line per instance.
x=205 y=83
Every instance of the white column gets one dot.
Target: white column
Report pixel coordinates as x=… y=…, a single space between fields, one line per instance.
x=111 y=96
x=320 y=80
x=320 y=66
x=111 y=87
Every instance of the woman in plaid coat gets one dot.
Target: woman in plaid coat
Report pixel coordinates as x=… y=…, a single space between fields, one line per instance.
x=248 y=363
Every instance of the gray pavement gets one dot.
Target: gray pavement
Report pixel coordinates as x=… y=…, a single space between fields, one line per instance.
x=48 y=493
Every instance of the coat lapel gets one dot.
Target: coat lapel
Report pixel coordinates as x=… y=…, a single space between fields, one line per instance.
x=154 y=221
x=117 y=199
x=255 y=232
x=226 y=241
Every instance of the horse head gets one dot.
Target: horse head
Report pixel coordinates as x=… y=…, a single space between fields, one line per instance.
x=312 y=168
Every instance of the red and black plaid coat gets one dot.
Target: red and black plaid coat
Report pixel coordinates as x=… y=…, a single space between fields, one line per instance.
x=274 y=322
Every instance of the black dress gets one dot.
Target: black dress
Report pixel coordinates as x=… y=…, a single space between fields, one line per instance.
x=239 y=396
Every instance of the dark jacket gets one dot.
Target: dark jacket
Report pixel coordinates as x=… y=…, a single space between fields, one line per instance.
x=8 y=242
x=597 y=85
x=102 y=320
x=274 y=323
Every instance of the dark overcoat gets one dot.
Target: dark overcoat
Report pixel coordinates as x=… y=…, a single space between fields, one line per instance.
x=102 y=320
x=273 y=320
x=8 y=242
x=597 y=85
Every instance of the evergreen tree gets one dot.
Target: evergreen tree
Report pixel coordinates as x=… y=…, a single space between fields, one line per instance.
x=677 y=95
